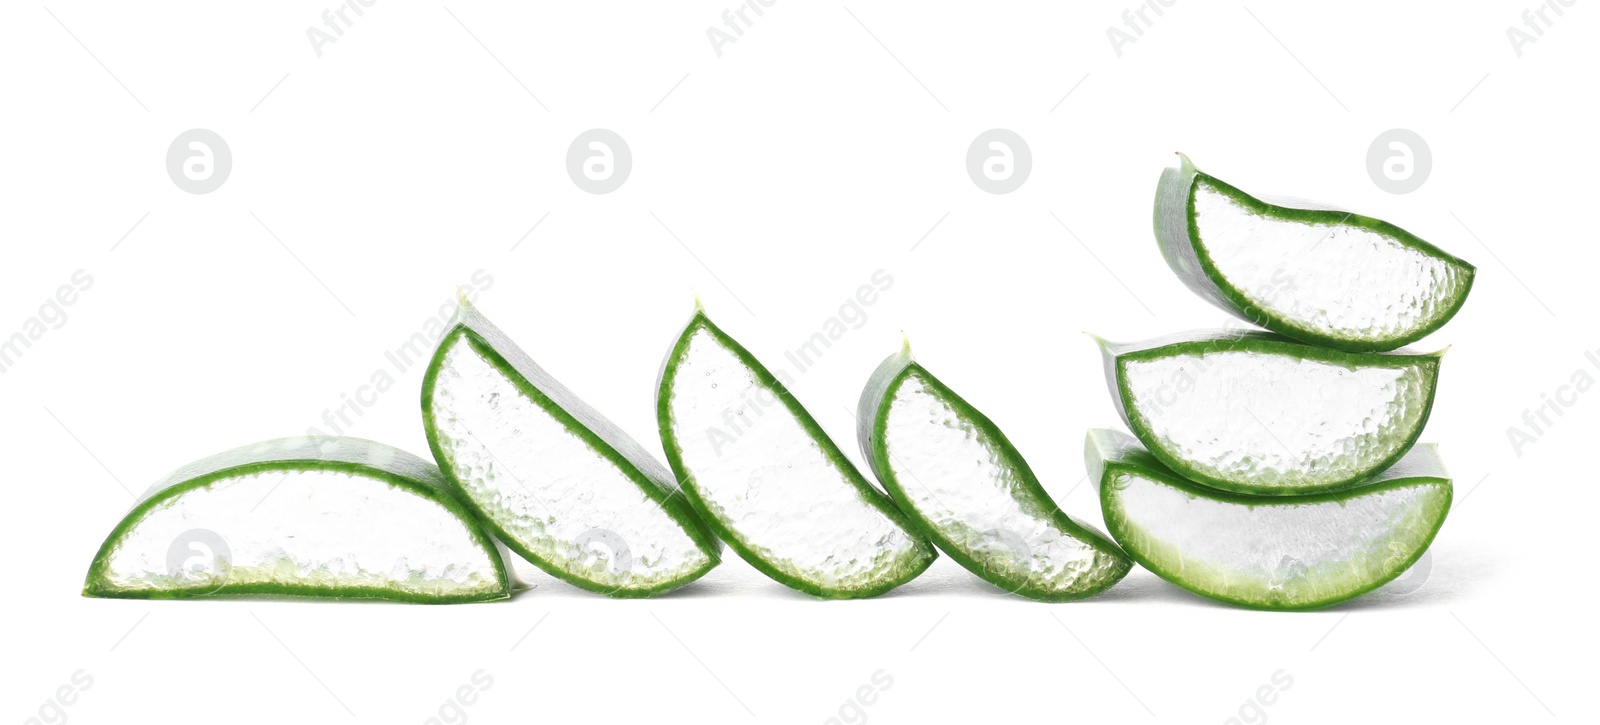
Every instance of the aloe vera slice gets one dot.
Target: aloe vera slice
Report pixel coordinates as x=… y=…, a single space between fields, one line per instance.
x=551 y=477
x=966 y=488
x=766 y=478
x=316 y=516
x=1285 y=553
x=1315 y=274
x=1253 y=412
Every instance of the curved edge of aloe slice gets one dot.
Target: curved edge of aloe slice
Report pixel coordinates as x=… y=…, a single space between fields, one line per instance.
x=924 y=552
x=996 y=565
x=1115 y=356
x=351 y=457
x=1117 y=462
x=1183 y=248
x=582 y=421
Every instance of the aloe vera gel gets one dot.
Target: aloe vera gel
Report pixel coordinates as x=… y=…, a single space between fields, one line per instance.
x=559 y=483
x=967 y=488
x=1272 y=469
x=1259 y=413
x=1317 y=274
x=1270 y=552
x=758 y=468
x=315 y=516
x=1278 y=471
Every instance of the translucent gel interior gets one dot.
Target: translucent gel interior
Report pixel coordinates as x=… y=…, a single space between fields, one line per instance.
x=311 y=528
x=1273 y=419
x=1342 y=280
x=764 y=476
x=1281 y=553
x=546 y=487
x=960 y=481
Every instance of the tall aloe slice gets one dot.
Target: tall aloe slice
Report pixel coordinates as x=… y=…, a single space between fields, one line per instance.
x=1254 y=412
x=1299 y=552
x=312 y=516
x=551 y=477
x=762 y=473
x=1315 y=274
x=967 y=489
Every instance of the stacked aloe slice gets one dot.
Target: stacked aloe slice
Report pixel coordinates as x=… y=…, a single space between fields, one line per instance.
x=1269 y=469
x=1278 y=469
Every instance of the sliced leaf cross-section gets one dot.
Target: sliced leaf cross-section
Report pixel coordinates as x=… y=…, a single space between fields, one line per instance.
x=557 y=482
x=1268 y=552
x=968 y=489
x=312 y=516
x=1320 y=275
x=763 y=474
x=1258 y=413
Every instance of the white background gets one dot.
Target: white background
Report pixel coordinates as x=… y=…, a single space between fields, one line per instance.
x=411 y=154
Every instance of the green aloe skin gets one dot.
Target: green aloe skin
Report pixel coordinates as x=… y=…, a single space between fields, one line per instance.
x=1257 y=413
x=967 y=488
x=1262 y=552
x=317 y=516
x=760 y=471
x=550 y=476
x=1320 y=275
x=1280 y=475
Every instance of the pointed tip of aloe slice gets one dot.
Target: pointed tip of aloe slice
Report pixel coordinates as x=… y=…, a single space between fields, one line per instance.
x=905 y=346
x=466 y=312
x=1105 y=345
x=1184 y=163
x=699 y=306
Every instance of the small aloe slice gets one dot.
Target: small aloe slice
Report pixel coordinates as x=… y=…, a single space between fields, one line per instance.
x=1286 y=553
x=552 y=478
x=1315 y=274
x=316 y=516
x=967 y=489
x=762 y=473
x=1253 y=412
